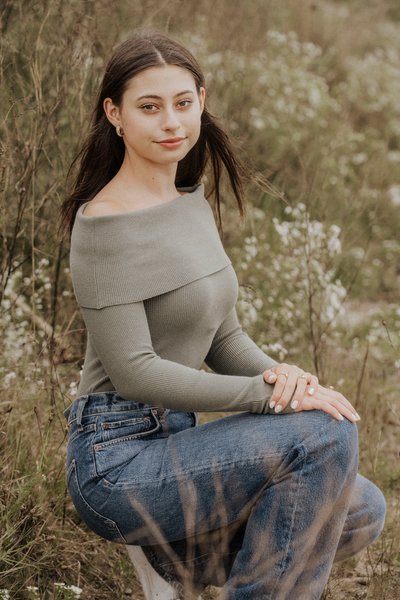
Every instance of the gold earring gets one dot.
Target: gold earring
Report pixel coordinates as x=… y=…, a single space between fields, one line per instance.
x=119 y=131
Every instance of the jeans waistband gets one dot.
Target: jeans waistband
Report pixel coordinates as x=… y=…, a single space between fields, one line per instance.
x=100 y=402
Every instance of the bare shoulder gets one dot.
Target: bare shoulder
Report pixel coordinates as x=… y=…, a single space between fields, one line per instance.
x=99 y=207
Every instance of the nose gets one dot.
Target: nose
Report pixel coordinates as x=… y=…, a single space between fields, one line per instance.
x=171 y=120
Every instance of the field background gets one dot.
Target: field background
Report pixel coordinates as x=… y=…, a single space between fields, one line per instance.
x=311 y=93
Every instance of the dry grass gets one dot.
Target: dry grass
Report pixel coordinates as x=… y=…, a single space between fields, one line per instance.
x=52 y=54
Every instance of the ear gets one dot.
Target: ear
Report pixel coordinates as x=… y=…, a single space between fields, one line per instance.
x=112 y=112
x=202 y=98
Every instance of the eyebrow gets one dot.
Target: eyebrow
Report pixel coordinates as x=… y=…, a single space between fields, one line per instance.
x=159 y=97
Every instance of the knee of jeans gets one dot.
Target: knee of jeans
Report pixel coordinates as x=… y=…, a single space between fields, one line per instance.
x=376 y=510
x=336 y=445
x=342 y=437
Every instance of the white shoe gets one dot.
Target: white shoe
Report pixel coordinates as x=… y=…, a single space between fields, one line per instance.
x=154 y=586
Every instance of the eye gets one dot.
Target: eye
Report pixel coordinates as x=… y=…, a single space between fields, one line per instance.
x=185 y=103
x=148 y=107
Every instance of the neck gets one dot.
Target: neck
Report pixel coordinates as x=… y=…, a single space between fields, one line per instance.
x=148 y=178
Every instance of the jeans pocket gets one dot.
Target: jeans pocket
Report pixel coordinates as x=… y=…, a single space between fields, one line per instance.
x=123 y=439
x=115 y=428
x=102 y=526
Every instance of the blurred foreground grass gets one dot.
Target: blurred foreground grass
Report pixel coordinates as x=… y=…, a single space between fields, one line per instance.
x=310 y=90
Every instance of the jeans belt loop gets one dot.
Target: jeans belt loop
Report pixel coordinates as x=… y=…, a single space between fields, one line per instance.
x=79 y=411
x=160 y=412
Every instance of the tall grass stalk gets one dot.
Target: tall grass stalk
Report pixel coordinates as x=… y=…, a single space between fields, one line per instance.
x=310 y=92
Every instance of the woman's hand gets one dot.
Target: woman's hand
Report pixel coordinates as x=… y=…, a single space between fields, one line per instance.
x=330 y=401
x=305 y=393
x=291 y=384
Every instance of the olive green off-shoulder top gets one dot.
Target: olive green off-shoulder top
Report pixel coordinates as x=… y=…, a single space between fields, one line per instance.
x=157 y=293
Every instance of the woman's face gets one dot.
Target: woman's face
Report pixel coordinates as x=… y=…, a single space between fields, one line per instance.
x=160 y=104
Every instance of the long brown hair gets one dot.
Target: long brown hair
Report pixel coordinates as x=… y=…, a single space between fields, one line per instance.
x=102 y=153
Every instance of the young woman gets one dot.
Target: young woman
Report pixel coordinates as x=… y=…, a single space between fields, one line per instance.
x=270 y=495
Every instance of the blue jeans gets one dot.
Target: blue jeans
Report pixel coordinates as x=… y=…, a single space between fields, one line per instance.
x=272 y=500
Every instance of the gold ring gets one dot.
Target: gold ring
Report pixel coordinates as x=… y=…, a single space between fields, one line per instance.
x=283 y=373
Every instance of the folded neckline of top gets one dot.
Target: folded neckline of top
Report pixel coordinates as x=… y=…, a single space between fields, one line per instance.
x=189 y=191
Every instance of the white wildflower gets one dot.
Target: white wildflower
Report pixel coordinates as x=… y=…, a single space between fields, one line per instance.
x=73 y=390
x=258 y=123
x=314 y=96
x=334 y=244
x=8 y=378
x=394 y=194
x=258 y=213
x=359 y=158
x=301 y=207
x=358 y=252
x=283 y=230
x=252 y=250
x=276 y=347
x=75 y=590
x=276 y=36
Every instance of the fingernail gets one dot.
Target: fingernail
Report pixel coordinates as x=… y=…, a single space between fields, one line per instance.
x=278 y=408
x=341 y=417
x=272 y=404
x=311 y=390
x=294 y=404
x=271 y=377
x=357 y=416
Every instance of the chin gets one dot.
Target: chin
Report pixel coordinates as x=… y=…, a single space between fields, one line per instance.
x=174 y=156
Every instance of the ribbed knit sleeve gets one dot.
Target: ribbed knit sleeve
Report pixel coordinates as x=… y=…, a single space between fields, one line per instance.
x=122 y=340
x=233 y=352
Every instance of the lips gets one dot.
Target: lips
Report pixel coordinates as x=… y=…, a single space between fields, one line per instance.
x=171 y=140
x=172 y=143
